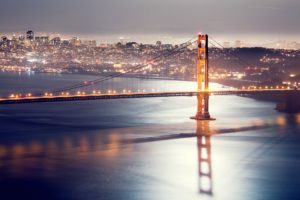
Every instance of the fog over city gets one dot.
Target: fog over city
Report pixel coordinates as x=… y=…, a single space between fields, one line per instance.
x=168 y=20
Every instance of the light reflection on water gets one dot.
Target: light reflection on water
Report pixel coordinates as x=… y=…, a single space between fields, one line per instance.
x=84 y=143
x=39 y=157
x=23 y=84
x=149 y=149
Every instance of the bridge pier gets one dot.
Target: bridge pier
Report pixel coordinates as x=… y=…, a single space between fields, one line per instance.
x=202 y=74
x=202 y=108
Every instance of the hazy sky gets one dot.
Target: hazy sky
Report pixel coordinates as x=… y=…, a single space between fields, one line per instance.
x=235 y=18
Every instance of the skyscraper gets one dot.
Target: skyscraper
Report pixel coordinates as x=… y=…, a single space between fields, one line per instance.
x=238 y=44
x=30 y=35
x=55 y=41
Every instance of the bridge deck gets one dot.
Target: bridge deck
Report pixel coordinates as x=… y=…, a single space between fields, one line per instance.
x=132 y=95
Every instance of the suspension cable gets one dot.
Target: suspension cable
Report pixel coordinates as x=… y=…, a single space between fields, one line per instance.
x=137 y=67
x=240 y=59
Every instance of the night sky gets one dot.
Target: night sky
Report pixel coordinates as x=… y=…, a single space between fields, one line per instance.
x=175 y=17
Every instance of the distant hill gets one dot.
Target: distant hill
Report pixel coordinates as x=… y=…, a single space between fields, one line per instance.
x=240 y=58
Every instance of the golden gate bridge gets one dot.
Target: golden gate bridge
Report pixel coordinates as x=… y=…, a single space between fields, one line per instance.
x=203 y=91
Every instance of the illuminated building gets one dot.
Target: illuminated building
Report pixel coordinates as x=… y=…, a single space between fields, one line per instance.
x=30 y=35
x=55 y=41
x=42 y=40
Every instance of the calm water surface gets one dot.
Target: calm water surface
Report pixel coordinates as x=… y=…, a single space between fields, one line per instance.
x=144 y=148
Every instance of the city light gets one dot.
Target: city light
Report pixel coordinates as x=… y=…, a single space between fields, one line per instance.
x=123 y=100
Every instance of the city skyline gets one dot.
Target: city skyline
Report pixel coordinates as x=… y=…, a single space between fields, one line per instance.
x=274 y=42
x=109 y=20
x=149 y=99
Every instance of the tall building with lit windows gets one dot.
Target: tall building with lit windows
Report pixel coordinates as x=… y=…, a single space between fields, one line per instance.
x=30 y=35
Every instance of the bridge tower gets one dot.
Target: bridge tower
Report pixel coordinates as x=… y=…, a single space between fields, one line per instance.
x=203 y=75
